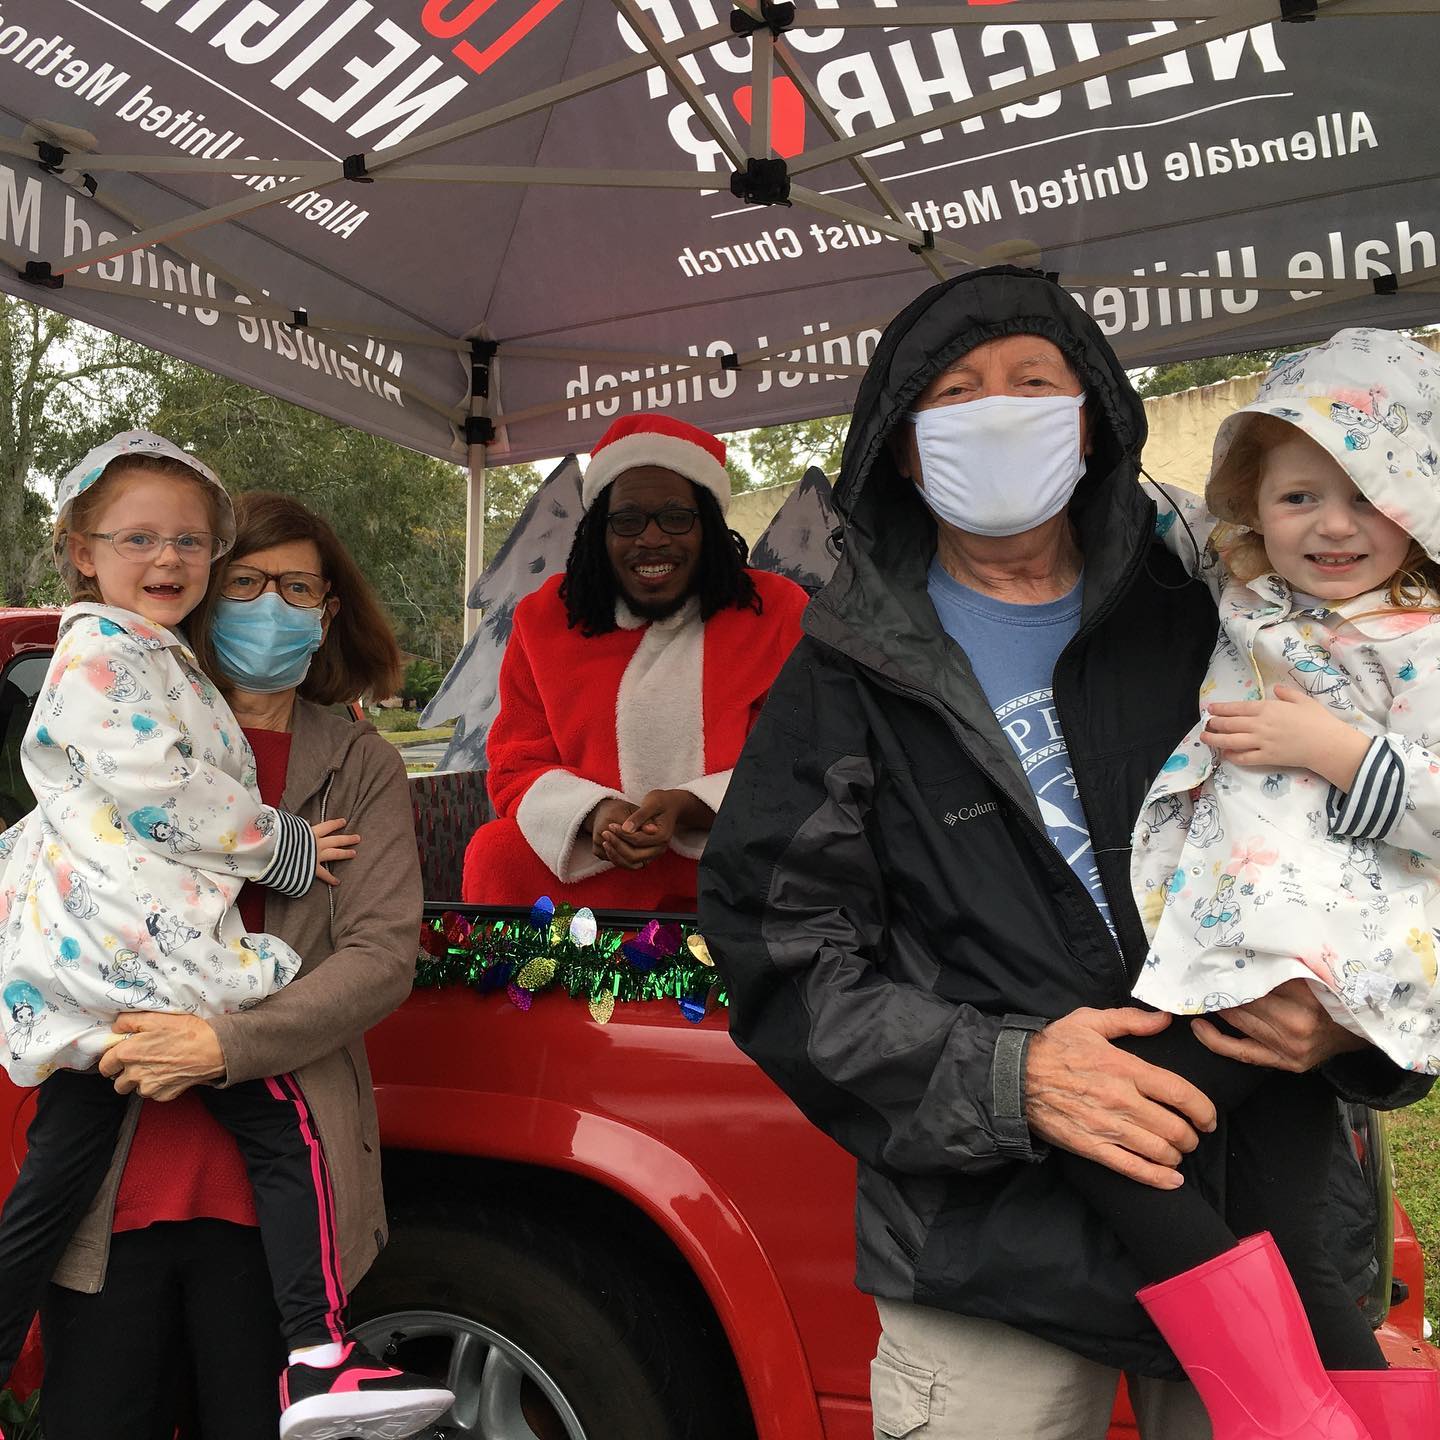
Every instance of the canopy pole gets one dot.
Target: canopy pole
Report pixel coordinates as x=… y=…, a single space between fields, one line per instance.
x=479 y=432
x=474 y=533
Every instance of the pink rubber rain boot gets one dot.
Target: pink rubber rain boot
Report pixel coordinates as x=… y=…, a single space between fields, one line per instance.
x=1394 y=1404
x=1237 y=1326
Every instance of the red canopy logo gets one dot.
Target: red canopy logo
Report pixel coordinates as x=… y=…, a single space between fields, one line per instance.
x=787 y=115
x=443 y=25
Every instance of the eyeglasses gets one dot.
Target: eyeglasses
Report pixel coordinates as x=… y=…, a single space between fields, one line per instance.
x=195 y=547
x=295 y=587
x=673 y=520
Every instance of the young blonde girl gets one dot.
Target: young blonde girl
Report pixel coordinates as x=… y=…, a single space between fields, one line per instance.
x=118 y=892
x=1293 y=837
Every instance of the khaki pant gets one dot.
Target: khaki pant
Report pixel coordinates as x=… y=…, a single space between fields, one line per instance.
x=938 y=1376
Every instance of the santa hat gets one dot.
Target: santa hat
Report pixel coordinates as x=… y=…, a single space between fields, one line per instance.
x=636 y=440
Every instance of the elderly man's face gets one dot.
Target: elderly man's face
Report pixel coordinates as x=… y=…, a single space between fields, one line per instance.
x=1014 y=365
x=655 y=568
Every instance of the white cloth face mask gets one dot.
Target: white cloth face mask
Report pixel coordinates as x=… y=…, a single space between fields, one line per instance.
x=1001 y=465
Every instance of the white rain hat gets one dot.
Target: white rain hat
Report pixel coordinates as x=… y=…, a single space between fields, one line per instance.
x=1369 y=398
x=137 y=444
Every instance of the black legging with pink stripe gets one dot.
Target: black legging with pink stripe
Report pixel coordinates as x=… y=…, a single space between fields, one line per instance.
x=72 y=1141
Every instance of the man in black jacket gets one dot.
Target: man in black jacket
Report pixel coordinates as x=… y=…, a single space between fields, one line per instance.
x=918 y=888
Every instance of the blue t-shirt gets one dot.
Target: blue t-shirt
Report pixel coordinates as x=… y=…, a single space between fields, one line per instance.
x=1013 y=650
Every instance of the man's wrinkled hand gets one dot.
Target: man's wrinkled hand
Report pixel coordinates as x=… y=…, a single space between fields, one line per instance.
x=1086 y=1096
x=1288 y=1029
x=161 y=1056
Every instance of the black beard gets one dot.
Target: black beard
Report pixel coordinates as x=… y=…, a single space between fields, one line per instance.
x=652 y=610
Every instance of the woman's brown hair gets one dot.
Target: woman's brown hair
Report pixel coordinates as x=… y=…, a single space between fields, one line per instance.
x=84 y=514
x=1233 y=497
x=360 y=655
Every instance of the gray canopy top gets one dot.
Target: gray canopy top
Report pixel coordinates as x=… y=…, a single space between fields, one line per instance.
x=490 y=226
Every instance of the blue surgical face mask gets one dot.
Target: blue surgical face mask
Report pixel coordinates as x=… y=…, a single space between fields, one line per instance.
x=265 y=645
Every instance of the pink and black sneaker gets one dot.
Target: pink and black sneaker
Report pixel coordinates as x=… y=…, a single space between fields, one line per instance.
x=357 y=1398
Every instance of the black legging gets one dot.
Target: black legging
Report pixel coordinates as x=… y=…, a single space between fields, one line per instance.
x=184 y=1332
x=1280 y=1138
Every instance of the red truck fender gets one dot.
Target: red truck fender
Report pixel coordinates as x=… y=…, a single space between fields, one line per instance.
x=710 y=1233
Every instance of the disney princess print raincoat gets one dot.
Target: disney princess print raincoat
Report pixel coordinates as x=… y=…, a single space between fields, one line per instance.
x=117 y=892
x=1246 y=879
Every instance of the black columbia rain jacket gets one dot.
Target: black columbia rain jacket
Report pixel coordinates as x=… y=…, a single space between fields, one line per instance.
x=882 y=899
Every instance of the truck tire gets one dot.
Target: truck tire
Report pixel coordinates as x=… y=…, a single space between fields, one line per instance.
x=542 y=1332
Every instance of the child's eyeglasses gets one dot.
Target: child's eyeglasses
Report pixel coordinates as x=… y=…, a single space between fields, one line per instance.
x=194 y=547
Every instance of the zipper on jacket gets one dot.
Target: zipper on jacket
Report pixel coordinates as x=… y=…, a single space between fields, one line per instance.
x=1076 y=885
x=325 y=815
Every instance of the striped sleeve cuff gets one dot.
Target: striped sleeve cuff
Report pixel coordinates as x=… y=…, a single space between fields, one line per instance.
x=296 y=856
x=1376 y=800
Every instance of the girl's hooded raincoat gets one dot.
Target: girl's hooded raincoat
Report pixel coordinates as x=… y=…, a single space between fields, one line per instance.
x=1246 y=878
x=117 y=892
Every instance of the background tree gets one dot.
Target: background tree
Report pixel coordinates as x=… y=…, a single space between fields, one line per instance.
x=63 y=387
x=781 y=454
x=1187 y=374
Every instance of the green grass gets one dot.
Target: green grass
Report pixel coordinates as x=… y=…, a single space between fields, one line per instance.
x=420 y=737
x=1415 y=1133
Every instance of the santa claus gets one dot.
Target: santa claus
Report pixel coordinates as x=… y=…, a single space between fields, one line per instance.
x=629 y=684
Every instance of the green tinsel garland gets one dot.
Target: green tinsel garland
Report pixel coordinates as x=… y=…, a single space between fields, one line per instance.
x=565 y=949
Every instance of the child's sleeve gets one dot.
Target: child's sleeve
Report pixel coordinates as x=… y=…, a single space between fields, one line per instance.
x=113 y=719
x=1396 y=793
x=1184 y=526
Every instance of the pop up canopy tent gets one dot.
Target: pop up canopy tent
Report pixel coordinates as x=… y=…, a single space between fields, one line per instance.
x=485 y=227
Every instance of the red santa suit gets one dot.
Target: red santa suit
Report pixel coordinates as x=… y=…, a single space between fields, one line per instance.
x=651 y=705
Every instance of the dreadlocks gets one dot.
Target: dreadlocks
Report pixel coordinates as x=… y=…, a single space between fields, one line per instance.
x=589 y=589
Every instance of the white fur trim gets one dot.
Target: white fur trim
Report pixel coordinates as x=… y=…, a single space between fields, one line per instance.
x=551 y=817
x=668 y=451
x=708 y=790
x=659 y=711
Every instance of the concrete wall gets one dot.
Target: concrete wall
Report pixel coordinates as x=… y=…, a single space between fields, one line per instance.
x=752 y=510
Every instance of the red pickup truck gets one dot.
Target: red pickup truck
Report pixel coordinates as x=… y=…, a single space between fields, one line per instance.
x=619 y=1230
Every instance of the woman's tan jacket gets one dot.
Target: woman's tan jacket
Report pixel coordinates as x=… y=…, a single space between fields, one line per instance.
x=357 y=943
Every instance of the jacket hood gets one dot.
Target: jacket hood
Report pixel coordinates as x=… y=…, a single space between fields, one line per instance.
x=1369 y=399
x=878 y=591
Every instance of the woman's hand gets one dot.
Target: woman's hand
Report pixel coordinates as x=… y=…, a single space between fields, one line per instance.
x=607 y=815
x=1294 y=730
x=651 y=826
x=161 y=1055
x=330 y=847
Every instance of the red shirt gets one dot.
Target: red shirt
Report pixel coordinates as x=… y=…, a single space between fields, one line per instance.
x=183 y=1163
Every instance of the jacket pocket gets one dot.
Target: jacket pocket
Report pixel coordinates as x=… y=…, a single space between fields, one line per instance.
x=900 y=1396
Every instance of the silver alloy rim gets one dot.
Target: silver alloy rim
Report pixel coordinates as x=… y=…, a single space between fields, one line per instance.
x=487 y=1372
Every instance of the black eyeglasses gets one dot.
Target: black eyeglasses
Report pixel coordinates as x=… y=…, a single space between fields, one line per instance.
x=295 y=587
x=673 y=520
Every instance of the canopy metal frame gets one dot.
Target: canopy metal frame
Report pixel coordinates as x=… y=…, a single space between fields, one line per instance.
x=477 y=420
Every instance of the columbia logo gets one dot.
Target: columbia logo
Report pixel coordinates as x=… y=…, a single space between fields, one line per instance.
x=970 y=812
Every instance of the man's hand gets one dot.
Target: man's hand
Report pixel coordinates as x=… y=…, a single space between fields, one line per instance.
x=1288 y=1029
x=1294 y=730
x=162 y=1055
x=1086 y=1096
x=607 y=815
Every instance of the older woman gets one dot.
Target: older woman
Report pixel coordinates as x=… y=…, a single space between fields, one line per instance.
x=165 y=1288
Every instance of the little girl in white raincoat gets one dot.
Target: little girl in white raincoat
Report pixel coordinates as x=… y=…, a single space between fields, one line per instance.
x=1250 y=876
x=1293 y=836
x=118 y=892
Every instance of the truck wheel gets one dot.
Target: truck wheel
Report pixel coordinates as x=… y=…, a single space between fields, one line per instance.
x=540 y=1337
